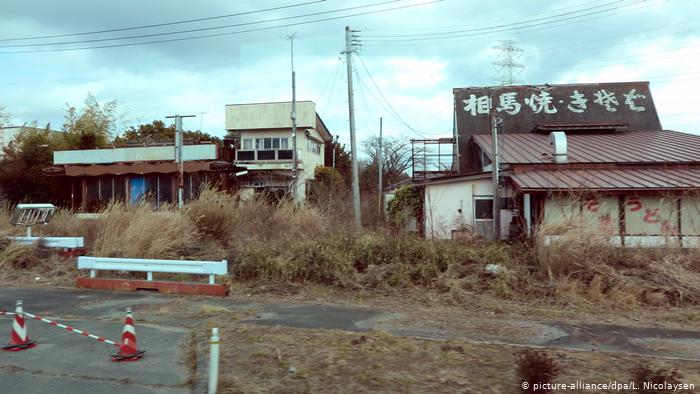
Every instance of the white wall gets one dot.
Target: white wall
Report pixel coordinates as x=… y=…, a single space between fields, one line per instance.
x=443 y=202
x=269 y=115
x=123 y=155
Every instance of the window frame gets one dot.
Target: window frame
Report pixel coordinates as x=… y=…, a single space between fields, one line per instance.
x=482 y=198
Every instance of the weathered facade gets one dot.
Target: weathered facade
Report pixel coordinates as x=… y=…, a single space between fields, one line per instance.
x=99 y=176
x=613 y=170
x=522 y=108
x=263 y=140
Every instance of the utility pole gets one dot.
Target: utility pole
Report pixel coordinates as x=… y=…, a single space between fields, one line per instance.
x=179 y=156
x=335 y=142
x=494 y=172
x=381 y=166
x=293 y=115
x=349 y=49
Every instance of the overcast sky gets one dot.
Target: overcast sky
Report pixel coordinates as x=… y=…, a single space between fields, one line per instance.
x=416 y=51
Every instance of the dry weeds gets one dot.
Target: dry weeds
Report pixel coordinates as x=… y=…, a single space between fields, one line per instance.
x=275 y=360
x=277 y=243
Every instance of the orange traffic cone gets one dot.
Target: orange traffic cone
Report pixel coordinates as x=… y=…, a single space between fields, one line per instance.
x=19 y=340
x=128 y=349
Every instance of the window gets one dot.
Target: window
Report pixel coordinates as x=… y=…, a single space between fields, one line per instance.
x=483 y=209
x=248 y=144
x=275 y=143
x=268 y=143
x=284 y=143
x=313 y=147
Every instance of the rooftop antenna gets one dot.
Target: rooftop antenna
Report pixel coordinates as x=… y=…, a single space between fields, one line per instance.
x=201 y=119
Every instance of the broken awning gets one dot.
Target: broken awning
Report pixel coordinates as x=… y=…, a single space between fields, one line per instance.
x=608 y=179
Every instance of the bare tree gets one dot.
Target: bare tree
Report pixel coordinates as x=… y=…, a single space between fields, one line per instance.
x=396 y=160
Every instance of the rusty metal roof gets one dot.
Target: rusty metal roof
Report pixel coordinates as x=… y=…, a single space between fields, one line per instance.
x=663 y=146
x=608 y=179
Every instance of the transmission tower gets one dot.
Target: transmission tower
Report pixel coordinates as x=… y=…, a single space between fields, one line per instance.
x=508 y=67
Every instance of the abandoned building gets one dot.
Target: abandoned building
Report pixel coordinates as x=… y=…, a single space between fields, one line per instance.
x=96 y=177
x=263 y=139
x=592 y=153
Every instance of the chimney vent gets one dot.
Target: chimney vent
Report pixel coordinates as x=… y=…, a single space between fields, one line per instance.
x=558 y=142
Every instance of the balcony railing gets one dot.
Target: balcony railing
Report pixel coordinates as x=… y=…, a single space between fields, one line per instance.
x=256 y=155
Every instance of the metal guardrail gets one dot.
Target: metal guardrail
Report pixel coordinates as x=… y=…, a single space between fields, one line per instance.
x=52 y=242
x=150 y=266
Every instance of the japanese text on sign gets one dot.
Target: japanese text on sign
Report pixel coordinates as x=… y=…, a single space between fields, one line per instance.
x=543 y=102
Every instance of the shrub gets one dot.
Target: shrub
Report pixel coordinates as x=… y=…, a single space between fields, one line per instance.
x=406 y=204
x=18 y=257
x=656 y=376
x=536 y=367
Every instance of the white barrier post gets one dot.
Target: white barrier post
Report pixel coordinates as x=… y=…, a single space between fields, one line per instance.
x=213 y=360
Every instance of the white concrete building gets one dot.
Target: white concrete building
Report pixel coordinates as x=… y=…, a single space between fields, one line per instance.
x=263 y=135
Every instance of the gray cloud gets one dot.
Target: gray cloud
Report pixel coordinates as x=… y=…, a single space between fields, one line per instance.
x=205 y=74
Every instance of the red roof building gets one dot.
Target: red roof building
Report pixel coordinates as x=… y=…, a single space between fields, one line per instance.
x=612 y=168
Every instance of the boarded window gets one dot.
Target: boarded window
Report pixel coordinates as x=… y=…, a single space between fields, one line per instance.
x=483 y=209
x=651 y=215
x=690 y=214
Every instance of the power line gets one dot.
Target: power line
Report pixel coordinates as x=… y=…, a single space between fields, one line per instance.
x=500 y=30
x=390 y=107
x=492 y=27
x=384 y=104
x=479 y=36
x=229 y=33
x=332 y=85
x=332 y=75
x=416 y=28
x=162 y=24
x=612 y=62
x=201 y=28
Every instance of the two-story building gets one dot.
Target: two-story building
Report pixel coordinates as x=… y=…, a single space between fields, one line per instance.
x=263 y=137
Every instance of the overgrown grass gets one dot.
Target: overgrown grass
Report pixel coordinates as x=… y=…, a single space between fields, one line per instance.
x=581 y=265
x=277 y=242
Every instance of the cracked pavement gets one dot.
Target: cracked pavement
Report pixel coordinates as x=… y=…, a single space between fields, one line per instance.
x=66 y=362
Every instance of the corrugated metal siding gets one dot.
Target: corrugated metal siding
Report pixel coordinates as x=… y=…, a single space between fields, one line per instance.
x=621 y=147
x=608 y=179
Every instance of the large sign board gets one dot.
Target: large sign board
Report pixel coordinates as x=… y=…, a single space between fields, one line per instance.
x=521 y=108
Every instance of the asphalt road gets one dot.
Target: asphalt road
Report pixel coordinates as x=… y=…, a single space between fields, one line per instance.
x=66 y=362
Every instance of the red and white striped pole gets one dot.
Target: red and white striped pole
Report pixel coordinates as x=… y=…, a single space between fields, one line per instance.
x=70 y=328
x=19 y=340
